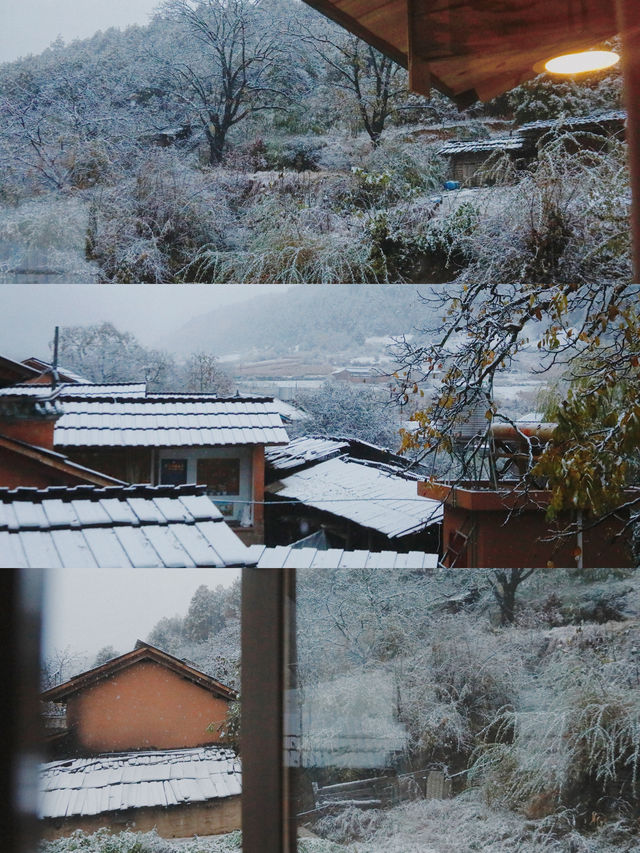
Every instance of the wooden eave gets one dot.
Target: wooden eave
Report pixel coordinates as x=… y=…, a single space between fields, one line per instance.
x=58 y=462
x=470 y=49
x=12 y=372
x=145 y=652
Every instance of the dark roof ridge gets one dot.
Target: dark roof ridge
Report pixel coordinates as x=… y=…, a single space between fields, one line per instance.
x=141 y=651
x=161 y=398
x=88 y=492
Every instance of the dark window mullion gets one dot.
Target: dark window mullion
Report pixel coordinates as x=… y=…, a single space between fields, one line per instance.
x=267 y=651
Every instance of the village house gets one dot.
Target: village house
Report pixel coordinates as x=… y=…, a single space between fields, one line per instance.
x=358 y=495
x=27 y=457
x=489 y=527
x=502 y=523
x=130 y=436
x=137 y=742
x=470 y=160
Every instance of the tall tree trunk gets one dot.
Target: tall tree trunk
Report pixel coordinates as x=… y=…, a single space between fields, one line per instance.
x=215 y=138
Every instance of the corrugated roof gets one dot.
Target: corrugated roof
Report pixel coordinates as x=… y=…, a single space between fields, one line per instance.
x=304 y=450
x=286 y=557
x=115 y=527
x=363 y=493
x=168 y=421
x=114 y=782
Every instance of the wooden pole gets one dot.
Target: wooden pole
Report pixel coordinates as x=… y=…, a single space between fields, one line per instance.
x=629 y=26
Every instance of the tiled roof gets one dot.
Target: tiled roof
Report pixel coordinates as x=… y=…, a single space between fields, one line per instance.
x=304 y=450
x=114 y=782
x=364 y=493
x=168 y=421
x=115 y=527
x=502 y=143
x=68 y=389
x=286 y=557
x=575 y=121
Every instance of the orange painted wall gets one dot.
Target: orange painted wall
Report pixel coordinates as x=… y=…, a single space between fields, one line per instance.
x=145 y=706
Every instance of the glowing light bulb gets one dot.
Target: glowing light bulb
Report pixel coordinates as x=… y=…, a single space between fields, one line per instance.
x=586 y=60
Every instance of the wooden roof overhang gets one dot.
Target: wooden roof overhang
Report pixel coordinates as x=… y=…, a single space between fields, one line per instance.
x=472 y=49
x=478 y=49
x=142 y=652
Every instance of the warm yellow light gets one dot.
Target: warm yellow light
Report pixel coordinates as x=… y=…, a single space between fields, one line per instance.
x=586 y=60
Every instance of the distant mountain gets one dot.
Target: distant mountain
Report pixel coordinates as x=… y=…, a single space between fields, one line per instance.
x=306 y=319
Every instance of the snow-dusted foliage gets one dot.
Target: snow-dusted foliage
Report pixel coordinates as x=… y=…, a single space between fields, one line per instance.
x=350 y=411
x=208 y=635
x=538 y=720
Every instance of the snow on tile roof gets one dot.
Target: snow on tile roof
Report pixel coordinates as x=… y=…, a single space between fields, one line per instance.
x=499 y=143
x=304 y=450
x=574 y=121
x=286 y=557
x=115 y=527
x=114 y=782
x=168 y=421
x=68 y=389
x=364 y=493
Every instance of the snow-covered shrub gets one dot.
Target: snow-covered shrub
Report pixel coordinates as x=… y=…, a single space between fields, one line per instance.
x=102 y=841
x=47 y=233
x=149 y=228
x=297 y=153
x=576 y=744
x=349 y=824
x=452 y=689
x=566 y=220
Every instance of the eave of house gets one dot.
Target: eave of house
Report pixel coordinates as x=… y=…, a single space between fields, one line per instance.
x=142 y=652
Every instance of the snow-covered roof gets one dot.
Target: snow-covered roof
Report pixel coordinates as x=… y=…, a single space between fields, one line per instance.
x=364 y=493
x=470 y=146
x=289 y=412
x=44 y=366
x=68 y=389
x=168 y=421
x=304 y=450
x=575 y=121
x=286 y=557
x=126 y=780
x=115 y=527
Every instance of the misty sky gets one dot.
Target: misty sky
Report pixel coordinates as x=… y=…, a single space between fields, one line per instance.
x=29 y=26
x=87 y=609
x=29 y=312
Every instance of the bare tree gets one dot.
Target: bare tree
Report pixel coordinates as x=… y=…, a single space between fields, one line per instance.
x=203 y=373
x=229 y=64
x=371 y=80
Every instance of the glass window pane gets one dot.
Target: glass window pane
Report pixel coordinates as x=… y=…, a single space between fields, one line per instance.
x=140 y=673
x=435 y=711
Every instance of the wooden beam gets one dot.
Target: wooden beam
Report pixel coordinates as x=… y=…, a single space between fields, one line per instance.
x=419 y=72
x=629 y=26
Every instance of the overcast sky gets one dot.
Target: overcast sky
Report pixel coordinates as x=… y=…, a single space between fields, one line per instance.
x=29 y=312
x=87 y=609
x=29 y=26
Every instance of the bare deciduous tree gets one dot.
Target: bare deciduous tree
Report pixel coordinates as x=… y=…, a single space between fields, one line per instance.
x=228 y=65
